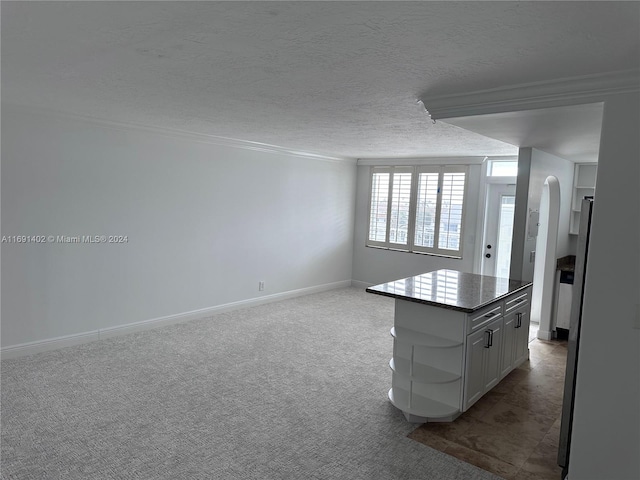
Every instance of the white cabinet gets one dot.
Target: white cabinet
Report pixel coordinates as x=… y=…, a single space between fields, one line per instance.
x=515 y=342
x=474 y=373
x=508 y=344
x=521 y=351
x=493 y=354
x=584 y=184
x=496 y=346
x=516 y=332
x=483 y=361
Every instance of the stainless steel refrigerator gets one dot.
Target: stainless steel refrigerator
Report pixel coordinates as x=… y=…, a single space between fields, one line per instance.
x=573 y=345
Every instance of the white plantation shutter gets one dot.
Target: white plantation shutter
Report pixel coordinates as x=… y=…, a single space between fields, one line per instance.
x=389 y=208
x=426 y=209
x=400 y=201
x=451 y=203
x=418 y=209
x=379 y=205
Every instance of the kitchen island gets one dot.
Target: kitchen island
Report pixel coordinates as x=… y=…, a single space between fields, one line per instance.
x=455 y=336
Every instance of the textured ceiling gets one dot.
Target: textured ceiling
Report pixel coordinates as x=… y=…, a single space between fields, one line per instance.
x=338 y=78
x=570 y=132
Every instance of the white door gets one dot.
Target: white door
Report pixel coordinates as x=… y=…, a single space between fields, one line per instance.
x=498 y=229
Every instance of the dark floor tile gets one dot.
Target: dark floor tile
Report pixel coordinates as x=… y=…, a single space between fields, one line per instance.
x=429 y=439
x=543 y=462
x=507 y=384
x=521 y=421
x=524 y=475
x=486 y=403
x=502 y=444
x=483 y=461
x=446 y=430
x=536 y=399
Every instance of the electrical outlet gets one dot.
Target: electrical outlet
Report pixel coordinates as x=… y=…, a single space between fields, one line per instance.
x=261 y=286
x=532 y=256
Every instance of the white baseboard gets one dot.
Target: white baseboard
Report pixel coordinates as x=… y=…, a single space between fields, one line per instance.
x=359 y=284
x=542 y=335
x=30 y=348
x=22 y=349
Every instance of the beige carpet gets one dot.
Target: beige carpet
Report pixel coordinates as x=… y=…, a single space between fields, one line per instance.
x=290 y=390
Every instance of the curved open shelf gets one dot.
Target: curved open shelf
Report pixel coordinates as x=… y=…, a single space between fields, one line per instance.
x=421 y=373
x=424 y=339
x=420 y=406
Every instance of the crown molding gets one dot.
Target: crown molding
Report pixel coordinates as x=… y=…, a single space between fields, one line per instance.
x=528 y=96
x=180 y=134
x=422 y=161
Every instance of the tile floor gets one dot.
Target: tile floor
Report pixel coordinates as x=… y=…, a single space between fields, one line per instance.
x=513 y=430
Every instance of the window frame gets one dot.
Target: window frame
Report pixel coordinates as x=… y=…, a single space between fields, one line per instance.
x=415 y=171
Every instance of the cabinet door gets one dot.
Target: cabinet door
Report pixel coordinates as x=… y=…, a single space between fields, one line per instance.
x=493 y=355
x=474 y=372
x=508 y=344
x=521 y=345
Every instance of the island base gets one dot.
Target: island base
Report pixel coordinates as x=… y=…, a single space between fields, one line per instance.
x=400 y=403
x=411 y=418
x=455 y=336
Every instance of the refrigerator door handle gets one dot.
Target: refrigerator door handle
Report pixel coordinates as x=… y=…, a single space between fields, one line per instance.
x=573 y=345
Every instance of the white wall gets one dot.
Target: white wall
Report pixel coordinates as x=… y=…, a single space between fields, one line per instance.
x=606 y=429
x=373 y=266
x=205 y=223
x=542 y=165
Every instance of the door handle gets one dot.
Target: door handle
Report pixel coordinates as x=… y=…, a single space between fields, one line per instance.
x=518 y=320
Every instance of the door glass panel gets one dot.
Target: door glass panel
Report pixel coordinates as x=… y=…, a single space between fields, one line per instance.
x=505 y=231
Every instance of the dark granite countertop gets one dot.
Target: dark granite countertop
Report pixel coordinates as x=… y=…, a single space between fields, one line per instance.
x=450 y=289
x=566 y=264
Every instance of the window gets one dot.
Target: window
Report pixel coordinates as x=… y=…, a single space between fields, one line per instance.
x=502 y=168
x=417 y=209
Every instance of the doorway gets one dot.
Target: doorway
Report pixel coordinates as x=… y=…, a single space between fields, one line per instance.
x=498 y=229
